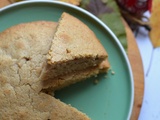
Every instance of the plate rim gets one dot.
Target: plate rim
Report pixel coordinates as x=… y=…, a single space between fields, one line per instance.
x=102 y=24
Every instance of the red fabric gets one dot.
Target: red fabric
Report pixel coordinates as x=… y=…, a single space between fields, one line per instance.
x=135 y=6
x=130 y=2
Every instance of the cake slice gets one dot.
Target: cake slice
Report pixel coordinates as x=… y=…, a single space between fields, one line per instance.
x=75 y=53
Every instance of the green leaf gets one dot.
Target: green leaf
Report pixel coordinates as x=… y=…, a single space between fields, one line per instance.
x=108 y=12
x=104 y=1
x=117 y=27
x=97 y=7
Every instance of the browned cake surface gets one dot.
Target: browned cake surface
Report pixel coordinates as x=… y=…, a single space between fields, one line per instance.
x=73 y=40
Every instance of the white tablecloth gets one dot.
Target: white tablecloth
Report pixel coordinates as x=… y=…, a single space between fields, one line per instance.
x=151 y=62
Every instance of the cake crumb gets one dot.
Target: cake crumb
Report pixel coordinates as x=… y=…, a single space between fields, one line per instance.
x=112 y=72
x=95 y=81
x=95 y=75
x=68 y=51
x=105 y=76
x=70 y=105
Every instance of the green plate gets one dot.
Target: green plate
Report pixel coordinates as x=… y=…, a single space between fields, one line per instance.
x=112 y=97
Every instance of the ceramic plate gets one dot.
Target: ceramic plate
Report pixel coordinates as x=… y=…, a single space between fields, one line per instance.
x=112 y=97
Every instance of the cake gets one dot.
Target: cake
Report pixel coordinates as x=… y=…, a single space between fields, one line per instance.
x=23 y=50
x=27 y=62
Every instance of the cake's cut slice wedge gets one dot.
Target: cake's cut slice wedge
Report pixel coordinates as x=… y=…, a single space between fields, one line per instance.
x=75 y=50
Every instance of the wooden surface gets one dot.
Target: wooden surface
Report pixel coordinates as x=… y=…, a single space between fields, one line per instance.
x=136 y=64
x=4 y=3
x=137 y=68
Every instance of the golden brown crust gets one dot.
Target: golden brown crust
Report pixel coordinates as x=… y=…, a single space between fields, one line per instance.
x=74 y=36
